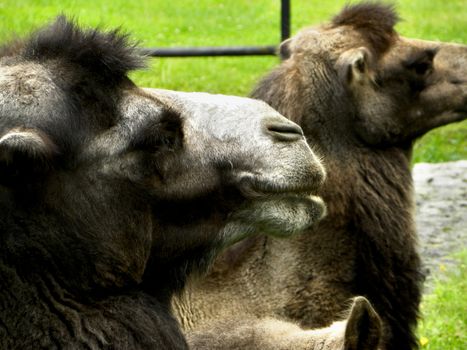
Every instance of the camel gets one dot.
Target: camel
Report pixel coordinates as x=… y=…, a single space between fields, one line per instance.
x=362 y=94
x=112 y=195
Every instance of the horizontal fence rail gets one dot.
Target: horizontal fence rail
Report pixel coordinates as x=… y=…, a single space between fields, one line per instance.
x=227 y=50
x=211 y=51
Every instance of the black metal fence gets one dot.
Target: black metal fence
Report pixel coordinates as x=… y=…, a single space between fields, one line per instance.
x=227 y=50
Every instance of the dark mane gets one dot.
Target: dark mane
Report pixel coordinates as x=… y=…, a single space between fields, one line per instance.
x=109 y=55
x=373 y=20
x=89 y=65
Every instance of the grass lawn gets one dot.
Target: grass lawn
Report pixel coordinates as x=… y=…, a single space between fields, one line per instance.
x=444 y=325
x=244 y=22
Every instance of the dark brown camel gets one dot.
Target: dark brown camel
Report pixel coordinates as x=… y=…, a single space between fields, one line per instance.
x=112 y=195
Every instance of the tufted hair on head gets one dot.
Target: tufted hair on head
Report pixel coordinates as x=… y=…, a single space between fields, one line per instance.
x=109 y=55
x=374 y=21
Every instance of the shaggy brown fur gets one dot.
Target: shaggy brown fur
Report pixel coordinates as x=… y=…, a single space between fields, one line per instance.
x=374 y=23
x=361 y=102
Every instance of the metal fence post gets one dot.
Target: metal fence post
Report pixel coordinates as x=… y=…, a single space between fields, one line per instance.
x=226 y=50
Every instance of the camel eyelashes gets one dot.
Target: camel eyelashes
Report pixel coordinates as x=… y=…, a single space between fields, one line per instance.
x=422 y=68
x=422 y=62
x=162 y=134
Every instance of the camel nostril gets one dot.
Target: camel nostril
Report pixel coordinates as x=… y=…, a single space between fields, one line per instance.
x=284 y=131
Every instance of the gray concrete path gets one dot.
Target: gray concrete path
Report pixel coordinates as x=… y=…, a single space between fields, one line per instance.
x=441 y=213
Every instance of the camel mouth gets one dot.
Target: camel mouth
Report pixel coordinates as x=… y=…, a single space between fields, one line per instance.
x=456 y=115
x=461 y=110
x=284 y=192
x=282 y=214
x=254 y=185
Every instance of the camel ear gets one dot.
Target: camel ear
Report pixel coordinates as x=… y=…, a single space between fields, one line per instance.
x=354 y=66
x=24 y=154
x=284 y=49
x=363 y=331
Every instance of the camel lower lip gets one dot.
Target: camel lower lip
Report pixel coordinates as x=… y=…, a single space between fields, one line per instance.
x=257 y=186
x=317 y=201
x=253 y=188
x=286 y=214
x=254 y=192
x=314 y=202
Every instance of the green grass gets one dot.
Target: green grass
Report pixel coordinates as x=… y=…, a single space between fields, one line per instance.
x=236 y=22
x=444 y=323
x=439 y=145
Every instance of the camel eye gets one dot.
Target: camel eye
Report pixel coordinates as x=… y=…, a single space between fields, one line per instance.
x=379 y=81
x=421 y=63
x=422 y=68
x=165 y=133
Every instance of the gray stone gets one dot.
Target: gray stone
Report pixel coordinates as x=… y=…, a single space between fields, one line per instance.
x=441 y=214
